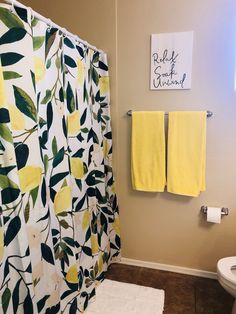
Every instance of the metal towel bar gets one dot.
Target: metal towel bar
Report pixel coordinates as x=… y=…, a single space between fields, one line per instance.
x=208 y=113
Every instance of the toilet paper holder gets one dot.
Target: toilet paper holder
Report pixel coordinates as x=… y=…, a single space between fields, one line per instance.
x=224 y=210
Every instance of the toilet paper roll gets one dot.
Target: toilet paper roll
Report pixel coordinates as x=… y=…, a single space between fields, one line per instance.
x=214 y=214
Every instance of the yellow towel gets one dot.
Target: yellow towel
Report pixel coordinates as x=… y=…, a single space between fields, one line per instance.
x=148 y=151
x=186 y=153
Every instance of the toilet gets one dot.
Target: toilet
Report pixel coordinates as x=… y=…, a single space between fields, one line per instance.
x=226 y=273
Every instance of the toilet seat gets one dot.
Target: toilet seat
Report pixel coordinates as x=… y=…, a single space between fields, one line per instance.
x=224 y=266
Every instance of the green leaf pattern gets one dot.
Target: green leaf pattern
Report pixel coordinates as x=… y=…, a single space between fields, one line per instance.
x=60 y=220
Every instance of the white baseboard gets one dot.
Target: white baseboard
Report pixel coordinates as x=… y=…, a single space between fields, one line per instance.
x=172 y=268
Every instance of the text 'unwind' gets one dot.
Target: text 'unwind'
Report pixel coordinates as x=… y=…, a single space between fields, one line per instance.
x=165 y=73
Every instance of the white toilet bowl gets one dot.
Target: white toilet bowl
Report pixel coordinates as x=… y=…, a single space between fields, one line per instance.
x=226 y=273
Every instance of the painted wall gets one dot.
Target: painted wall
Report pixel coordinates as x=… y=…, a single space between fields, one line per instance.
x=163 y=227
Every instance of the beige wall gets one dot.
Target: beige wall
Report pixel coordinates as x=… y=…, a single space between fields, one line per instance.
x=163 y=227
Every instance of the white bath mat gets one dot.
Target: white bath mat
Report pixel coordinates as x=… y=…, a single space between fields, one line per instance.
x=113 y=297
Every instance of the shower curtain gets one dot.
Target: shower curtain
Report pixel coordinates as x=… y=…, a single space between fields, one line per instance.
x=59 y=216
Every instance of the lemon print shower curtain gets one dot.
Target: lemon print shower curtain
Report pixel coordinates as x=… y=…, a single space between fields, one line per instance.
x=59 y=217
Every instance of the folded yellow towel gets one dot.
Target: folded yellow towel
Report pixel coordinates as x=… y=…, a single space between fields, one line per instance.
x=186 y=153
x=148 y=151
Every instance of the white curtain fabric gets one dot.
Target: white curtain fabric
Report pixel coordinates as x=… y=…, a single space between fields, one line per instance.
x=60 y=223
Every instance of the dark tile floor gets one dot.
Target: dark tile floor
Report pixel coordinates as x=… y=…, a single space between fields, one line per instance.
x=184 y=294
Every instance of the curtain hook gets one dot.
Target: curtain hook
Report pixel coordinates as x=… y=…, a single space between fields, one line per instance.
x=85 y=43
x=64 y=31
x=49 y=22
x=76 y=40
x=12 y=5
x=31 y=13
